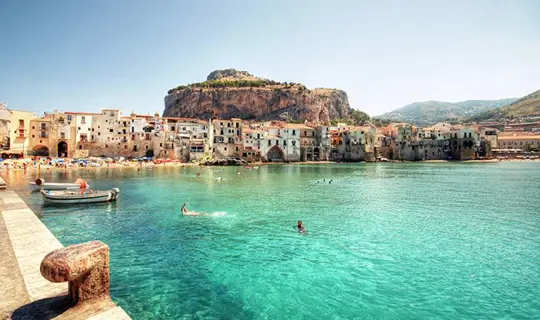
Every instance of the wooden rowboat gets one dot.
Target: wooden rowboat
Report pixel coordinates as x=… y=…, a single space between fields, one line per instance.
x=75 y=197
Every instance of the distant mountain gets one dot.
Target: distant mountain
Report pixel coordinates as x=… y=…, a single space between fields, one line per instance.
x=431 y=112
x=527 y=106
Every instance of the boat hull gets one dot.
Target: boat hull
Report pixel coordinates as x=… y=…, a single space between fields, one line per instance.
x=74 y=197
x=54 y=186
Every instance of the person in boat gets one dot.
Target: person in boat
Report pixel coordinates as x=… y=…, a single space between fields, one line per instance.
x=300 y=227
x=82 y=184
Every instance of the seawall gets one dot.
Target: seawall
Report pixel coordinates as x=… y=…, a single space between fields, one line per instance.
x=24 y=242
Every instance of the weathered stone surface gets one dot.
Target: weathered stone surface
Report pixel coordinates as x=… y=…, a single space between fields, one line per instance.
x=275 y=101
x=224 y=162
x=85 y=266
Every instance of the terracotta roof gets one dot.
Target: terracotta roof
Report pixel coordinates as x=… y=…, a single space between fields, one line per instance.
x=298 y=126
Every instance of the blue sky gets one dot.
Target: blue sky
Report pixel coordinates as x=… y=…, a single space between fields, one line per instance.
x=90 y=55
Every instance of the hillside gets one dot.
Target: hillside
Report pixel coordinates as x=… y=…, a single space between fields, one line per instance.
x=430 y=112
x=523 y=108
x=237 y=94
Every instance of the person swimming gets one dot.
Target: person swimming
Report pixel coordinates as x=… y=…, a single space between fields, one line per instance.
x=187 y=212
x=300 y=227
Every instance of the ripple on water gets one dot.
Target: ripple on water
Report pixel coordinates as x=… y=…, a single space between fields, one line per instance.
x=445 y=240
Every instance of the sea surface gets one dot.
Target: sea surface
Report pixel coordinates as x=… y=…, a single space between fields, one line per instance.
x=384 y=241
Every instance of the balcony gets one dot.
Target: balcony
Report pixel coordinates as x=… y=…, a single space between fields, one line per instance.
x=22 y=133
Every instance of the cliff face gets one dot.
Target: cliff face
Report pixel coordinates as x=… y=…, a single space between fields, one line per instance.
x=225 y=95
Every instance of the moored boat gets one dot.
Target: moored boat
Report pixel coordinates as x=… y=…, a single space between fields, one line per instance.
x=75 y=197
x=41 y=184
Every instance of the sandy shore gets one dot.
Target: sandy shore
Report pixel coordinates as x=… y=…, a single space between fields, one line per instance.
x=31 y=168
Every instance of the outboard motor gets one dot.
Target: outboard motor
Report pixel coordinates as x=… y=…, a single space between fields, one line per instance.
x=115 y=193
x=40 y=181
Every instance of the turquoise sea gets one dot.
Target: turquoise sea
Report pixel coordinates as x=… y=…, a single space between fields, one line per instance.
x=385 y=241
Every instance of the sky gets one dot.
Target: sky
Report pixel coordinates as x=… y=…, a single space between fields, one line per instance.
x=99 y=54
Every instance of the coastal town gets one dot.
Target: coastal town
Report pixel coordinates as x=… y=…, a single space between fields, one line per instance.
x=109 y=133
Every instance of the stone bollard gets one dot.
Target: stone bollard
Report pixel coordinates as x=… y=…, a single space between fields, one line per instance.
x=85 y=266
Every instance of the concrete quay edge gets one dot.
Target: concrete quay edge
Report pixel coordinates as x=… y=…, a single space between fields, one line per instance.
x=31 y=240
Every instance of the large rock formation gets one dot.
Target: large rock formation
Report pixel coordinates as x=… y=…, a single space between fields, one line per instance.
x=238 y=94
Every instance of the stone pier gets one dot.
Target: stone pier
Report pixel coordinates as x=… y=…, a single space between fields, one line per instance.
x=24 y=292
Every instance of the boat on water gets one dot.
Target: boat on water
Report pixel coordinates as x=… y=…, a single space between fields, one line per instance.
x=41 y=184
x=75 y=197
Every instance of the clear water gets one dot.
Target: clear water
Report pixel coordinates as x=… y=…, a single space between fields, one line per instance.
x=395 y=241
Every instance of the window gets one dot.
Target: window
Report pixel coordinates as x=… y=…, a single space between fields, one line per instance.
x=83 y=120
x=161 y=144
x=269 y=143
x=111 y=130
x=68 y=117
x=33 y=136
x=284 y=143
x=21 y=123
x=99 y=133
x=62 y=135
x=294 y=132
x=80 y=147
x=79 y=128
x=294 y=143
x=106 y=146
x=277 y=142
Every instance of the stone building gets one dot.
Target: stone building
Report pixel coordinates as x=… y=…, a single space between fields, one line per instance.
x=281 y=143
x=227 y=138
x=19 y=131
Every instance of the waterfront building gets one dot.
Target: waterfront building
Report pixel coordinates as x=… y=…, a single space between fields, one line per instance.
x=19 y=128
x=323 y=144
x=281 y=143
x=519 y=141
x=5 y=119
x=40 y=142
x=252 y=139
x=227 y=136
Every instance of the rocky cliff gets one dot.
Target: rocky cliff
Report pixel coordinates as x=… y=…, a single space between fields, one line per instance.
x=237 y=94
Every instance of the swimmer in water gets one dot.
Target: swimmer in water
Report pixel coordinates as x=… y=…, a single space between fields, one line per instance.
x=300 y=227
x=186 y=212
x=198 y=175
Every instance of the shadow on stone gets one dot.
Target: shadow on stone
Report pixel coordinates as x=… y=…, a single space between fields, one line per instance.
x=48 y=308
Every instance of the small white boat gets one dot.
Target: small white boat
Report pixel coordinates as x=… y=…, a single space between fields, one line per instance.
x=70 y=196
x=40 y=183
